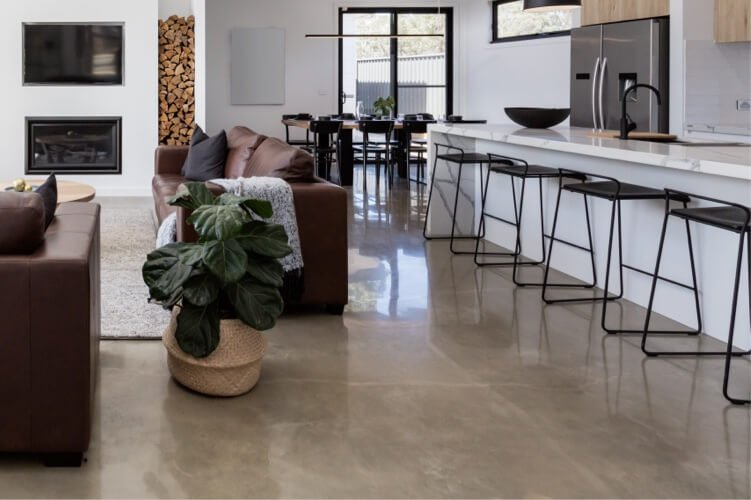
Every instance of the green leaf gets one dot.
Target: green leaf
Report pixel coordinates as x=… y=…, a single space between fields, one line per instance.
x=192 y=195
x=201 y=289
x=190 y=254
x=218 y=222
x=259 y=207
x=256 y=304
x=266 y=271
x=268 y=240
x=226 y=260
x=198 y=329
x=164 y=274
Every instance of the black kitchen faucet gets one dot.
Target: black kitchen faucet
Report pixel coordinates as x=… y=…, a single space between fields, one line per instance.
x=627 y=124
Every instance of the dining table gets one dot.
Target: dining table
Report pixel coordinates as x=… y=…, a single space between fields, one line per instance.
x=346 y=157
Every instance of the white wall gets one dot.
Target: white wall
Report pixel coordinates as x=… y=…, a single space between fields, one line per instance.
x=312 y=66
x=198 y=8
x=135 y=101
x=182 y=8
x=531 y=73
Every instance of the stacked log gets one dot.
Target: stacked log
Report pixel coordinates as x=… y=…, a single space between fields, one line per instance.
x=177 y=64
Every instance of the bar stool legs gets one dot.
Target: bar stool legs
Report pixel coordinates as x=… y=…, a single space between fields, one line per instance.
x=461 y=158
x=729 y=353
x=589 y=249
x=615 y=191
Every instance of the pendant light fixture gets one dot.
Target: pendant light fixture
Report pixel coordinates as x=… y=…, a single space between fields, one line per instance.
x=546 y=5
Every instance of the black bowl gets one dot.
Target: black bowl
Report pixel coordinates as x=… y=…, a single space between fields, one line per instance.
x=538 y=117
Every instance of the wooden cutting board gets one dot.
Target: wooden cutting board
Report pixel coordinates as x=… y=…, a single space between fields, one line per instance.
x=643 y=136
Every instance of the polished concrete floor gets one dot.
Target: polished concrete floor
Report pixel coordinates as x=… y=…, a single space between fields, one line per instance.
x=440 y=381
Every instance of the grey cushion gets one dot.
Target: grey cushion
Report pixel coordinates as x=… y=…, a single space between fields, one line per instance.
x=206 y=156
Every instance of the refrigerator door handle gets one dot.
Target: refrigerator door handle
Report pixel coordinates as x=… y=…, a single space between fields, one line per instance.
x=602 y=85
x=594 y=95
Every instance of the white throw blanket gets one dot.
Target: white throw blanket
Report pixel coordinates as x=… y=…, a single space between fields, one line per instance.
x=276 y=191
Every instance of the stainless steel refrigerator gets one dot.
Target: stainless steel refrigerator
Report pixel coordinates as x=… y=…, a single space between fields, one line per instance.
x=606 y=60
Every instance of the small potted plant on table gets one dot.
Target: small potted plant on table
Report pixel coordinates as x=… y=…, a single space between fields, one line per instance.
x=222 y=290
x=384 y=106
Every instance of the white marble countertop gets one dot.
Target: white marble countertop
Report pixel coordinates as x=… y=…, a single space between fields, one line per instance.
x=725 y=161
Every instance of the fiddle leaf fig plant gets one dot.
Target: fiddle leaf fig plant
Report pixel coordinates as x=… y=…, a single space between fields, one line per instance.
x=232 y=271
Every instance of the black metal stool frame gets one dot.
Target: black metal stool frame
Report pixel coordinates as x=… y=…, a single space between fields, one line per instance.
x=744 y=233
x=453 y=236
x=606 y=297
x=518 y=215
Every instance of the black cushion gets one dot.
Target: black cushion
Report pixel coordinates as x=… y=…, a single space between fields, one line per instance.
x=610 y=190
x=731 y=218
x=48 y=192
x=198 y=137
x=206 y=157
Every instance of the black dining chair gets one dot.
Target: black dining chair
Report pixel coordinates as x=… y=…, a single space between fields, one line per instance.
x=302 y=143
x=325 y=146
x=376 y=141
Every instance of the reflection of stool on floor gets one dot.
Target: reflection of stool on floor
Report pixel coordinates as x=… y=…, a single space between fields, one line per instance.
x=614 y=191
x=459 y=158
x=729 y=217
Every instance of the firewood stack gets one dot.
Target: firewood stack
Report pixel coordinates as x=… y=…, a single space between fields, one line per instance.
x=176 y=80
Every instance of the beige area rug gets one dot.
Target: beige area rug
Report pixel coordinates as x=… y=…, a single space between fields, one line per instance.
x=128 y=235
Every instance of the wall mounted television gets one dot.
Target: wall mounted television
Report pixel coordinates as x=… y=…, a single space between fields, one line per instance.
x=73 y=54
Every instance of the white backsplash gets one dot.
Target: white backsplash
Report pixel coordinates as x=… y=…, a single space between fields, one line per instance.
x=717 y=75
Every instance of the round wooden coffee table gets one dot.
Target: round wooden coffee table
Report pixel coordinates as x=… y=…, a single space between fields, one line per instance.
x=66 y=190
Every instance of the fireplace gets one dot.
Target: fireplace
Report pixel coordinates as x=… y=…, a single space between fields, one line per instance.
x=73 y=145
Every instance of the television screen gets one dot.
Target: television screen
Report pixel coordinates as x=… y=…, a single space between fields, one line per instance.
x=70 y=54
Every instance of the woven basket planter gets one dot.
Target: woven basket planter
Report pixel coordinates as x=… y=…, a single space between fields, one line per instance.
x=231 y=370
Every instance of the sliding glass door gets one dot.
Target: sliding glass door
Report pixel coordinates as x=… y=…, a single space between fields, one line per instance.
x=415 y=70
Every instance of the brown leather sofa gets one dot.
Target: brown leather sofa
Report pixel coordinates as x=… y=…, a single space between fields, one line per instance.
x=321 y=207
x=49 y=327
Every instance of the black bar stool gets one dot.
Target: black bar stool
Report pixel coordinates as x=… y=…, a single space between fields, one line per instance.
x=415 y=146
x=460 y=158
x=303 y=143
x=516 y=168
x=729 y=217
x=611 y=189
x=380 y=149
x=325 y=146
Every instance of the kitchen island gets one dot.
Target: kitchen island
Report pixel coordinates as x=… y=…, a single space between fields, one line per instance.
x=720 y=172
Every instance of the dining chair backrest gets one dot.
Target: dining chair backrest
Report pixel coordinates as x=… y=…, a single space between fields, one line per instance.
x=426 y=116
x=378 y=127
x=325 y=126
x=416 y=126
x=296 y=116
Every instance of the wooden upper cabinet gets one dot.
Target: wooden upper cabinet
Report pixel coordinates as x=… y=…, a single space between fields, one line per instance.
x=610 y=11
x=732 y=20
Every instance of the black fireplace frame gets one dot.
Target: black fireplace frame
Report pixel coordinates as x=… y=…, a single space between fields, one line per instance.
x=29 y=154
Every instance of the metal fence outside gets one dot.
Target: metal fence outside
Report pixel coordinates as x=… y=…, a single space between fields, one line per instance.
x=422 y=83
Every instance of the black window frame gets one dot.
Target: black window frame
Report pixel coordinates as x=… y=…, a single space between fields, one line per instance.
x=394 y=12
x=535 y=36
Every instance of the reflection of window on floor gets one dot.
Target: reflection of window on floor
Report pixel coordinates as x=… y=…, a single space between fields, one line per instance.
x=369 y=65
x=511 y=22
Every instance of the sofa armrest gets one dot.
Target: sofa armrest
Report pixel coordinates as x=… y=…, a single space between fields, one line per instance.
x=169 y=159
x=321 y=210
